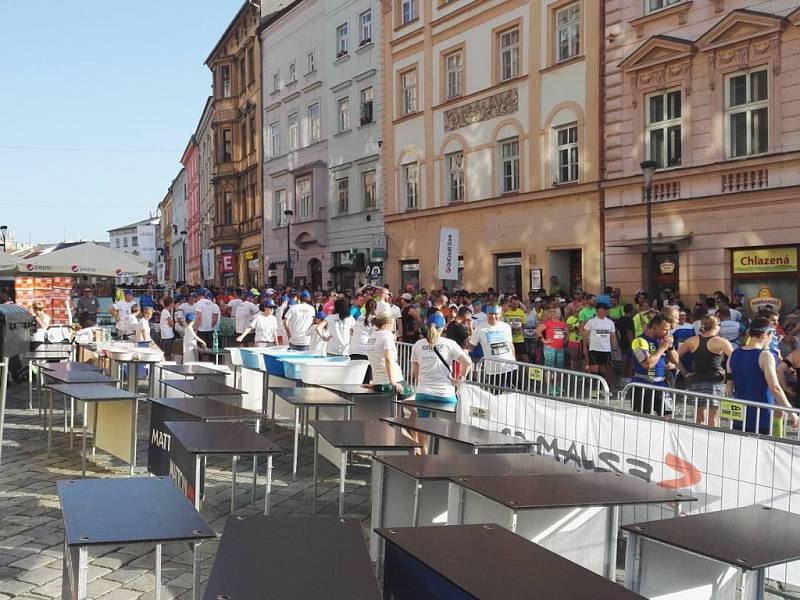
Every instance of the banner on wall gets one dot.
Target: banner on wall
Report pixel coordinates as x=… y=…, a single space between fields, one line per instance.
x=448 y=254
x=146 y=235
x=207 y=260
x=228 y=265
x=720 y=468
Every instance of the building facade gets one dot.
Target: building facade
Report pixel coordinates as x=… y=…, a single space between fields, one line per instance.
x=190 y=161
x=707 y=90
x=139 y=240
x=492 y=129
x=236 y=121
x=164 y=273
x=178 y=241
x=205 y=164
x=296 y=132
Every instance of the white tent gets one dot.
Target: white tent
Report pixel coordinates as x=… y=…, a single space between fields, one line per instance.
x=9 y=262
x=87 y=258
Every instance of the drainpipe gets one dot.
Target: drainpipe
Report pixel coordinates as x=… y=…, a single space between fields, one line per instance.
x=601 y=106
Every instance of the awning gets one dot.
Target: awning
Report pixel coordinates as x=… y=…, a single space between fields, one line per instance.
x=660 y=242
x=340 y=269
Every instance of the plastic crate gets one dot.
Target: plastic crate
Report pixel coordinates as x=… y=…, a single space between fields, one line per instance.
x=292 y=366
x=334 y=372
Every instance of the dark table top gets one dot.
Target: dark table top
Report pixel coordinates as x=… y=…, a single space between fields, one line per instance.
x=202 y=387
x=309 y=396
x=128 y=510
x=445 y=466
x=752 y=537
x=356 y=389
x=368 y=435
x=92 y=392
x=294 y=558
x=70 y=366
x=492 y=563
x=207 y=408
x=195 y=370
x=200 y=437
x=81 y=376
x=458 y=432
x=584 y=489
x=48 y=355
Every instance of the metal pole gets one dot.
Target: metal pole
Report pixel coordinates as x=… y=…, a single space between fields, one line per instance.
x=651 y=295
x=288 y=250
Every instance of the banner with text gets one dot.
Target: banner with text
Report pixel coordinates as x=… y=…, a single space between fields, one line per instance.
x=207 y=260
x=448 y=254
x=722 y=469
x=146 y=235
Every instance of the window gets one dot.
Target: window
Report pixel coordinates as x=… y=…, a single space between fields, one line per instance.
x=313 y=124
x=117 y=242
x=654 y=5
x=294 y=132
x=454 y=66
x=274 y=139
x=370 y=190
x=225 y=76
x=252 y=134
x=344 y=114
x=280 y=207
x=343 y=193
x=292 y=73
x=411 y=181
x=276 y=81
x=311 y=62
x=125 y=242
x=408 y=11
x=366 y=105
x=568 y=24
x=567 y=153
x=251 y=65
x=341 y=40
x=227 y=215
x=242 y=80
x=365 y=27
x=509 y=54
x=454 y=164
x=244 y=204
x=243 y=137
x=508 y=269
x=747 y=113
x=509 y=164
x=663 y=135
x=409 y=87
x=409 y=273
x=227 y=145
x=304 y=199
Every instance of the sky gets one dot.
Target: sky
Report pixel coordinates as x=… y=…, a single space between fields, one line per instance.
x=98 y=100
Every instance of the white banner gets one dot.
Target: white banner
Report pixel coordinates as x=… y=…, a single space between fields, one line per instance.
x=161 y=273
x=448 y=254
x=146 y=235
x=208 y=263
x=722 y=469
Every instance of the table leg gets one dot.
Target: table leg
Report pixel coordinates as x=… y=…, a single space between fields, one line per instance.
x=633 y=554
x=83 y=452
x=342 y=477
x=314 y=487
x=195 y=571
x=268 y=487
x=158 y=572
x=613 y=532
x=296 y=439
x=255 y=464
x=65 y=412
x=71 y=421
x=133 y=377
x=75 y=575
x=197 y=481
x=49 y=421
x=30 y=385
x=233 y=482
x=134 y=432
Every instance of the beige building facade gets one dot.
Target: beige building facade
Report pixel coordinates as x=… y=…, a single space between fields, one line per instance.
x=711 y=92
x=492 y=128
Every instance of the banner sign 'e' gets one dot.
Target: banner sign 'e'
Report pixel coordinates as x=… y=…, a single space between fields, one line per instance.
x=227 y=265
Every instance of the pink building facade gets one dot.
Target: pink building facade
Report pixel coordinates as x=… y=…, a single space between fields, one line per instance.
x=190 y=161
x=710 y=90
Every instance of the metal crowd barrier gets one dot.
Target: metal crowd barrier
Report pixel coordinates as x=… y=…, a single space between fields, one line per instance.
x=3 y=390
x=404 y=359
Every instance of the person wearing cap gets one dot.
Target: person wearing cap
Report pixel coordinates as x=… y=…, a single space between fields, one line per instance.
x=121 y=311
x=245 y=311
x=410 y=321
x=337 y=329
x=599 y=340
x=263 y=326
x=191 y=340
x=432 y=366
x=494 y=338
x=478 y=316
x=318 y=343
x=298 y=321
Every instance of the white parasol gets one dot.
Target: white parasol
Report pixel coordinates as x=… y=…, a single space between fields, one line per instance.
x=9 y=262
x=87 y=258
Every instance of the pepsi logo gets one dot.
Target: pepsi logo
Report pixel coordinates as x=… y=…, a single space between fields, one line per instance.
x=119 y=272
x=74 y=268
x=29 y=267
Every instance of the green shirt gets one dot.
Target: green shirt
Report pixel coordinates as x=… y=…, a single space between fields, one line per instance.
x=587 y=313
x=616 y=312
x=516 y=319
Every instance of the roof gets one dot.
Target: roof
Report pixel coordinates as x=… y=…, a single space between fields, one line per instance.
x=274 y=16
x=228 y=29
x=148 y=221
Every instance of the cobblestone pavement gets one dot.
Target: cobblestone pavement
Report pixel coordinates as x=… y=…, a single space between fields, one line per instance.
x=31 y=529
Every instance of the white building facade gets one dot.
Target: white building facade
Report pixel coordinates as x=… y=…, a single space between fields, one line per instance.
x=205 y=145
x=179 y=223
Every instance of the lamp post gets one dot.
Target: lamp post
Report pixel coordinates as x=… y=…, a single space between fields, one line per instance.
x=183 y=241
x=289 y=213
x=648 y=170
x=3 y=229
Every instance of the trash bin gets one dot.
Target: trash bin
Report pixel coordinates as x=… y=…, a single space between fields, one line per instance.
x=16 y=324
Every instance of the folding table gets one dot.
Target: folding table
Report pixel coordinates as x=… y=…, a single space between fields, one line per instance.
x=189 y=372
x=576 y=516
x=368 y=402
x=41 y=357
x=413 y=490
x=97 y=392
x=140 y=510
x=203 y=387
x=711 y=556
x=198 y=439
x=215 y=353
x=360 y=436
x=292 y=558
x=304 y=398
x=133 y=372
x=63 y=374
x=483 y=561
x=449 y=437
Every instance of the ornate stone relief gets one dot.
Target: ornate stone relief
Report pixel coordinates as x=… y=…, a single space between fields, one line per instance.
x=504 y=103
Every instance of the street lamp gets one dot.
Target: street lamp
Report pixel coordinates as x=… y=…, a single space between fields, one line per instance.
x=648 y=170
x=183 y=241
x=3 y=229
x=289 y=213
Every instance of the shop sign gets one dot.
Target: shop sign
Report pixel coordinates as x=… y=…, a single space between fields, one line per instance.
x=448 y=253
x=228 y=269
x=667 y=267
x=513 y=261
x=375 y=273
x=765 y=299
x=272 y=273
x=378 y=253
x=536 y=279
x=409 y=267
x=766 y=260
x=252 y=265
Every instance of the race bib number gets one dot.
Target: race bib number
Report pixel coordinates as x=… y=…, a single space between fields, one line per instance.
x=529 y=331
x=731 y=410
x=498 y=345
x=536 y=374
x=559 y=334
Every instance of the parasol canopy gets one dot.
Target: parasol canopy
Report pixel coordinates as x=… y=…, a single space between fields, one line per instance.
x=87 y=258
x=9 y=262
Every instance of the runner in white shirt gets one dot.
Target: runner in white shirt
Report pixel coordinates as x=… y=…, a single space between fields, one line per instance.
x=494 y=337
x=298 y=321
x=233 y=304
x=264 y=325
x=599 y=340
x=143 y=327
x=166 y=326
x=120 y=311
x=282 y=337
x=318 y=343
x=432 y=364
x=386 y=371
x=208 y=314
x=129 y=324
x=244 y=313
x=337 y=329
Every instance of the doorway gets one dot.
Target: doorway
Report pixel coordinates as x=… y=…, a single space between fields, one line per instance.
x=567 y=266
x=315 y=273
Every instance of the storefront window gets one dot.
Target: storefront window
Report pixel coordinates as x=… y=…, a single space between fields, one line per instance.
x=667 y=272
x=409 y=270
x=509 y=272
x=766 y=277
x=343 y=276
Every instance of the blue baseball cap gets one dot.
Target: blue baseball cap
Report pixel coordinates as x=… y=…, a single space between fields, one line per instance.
x=437 y=320
x=493 y=309
x=321 y=315
x=306 y=294
x=269 y=303
x=127 y=293
x=189 y=316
